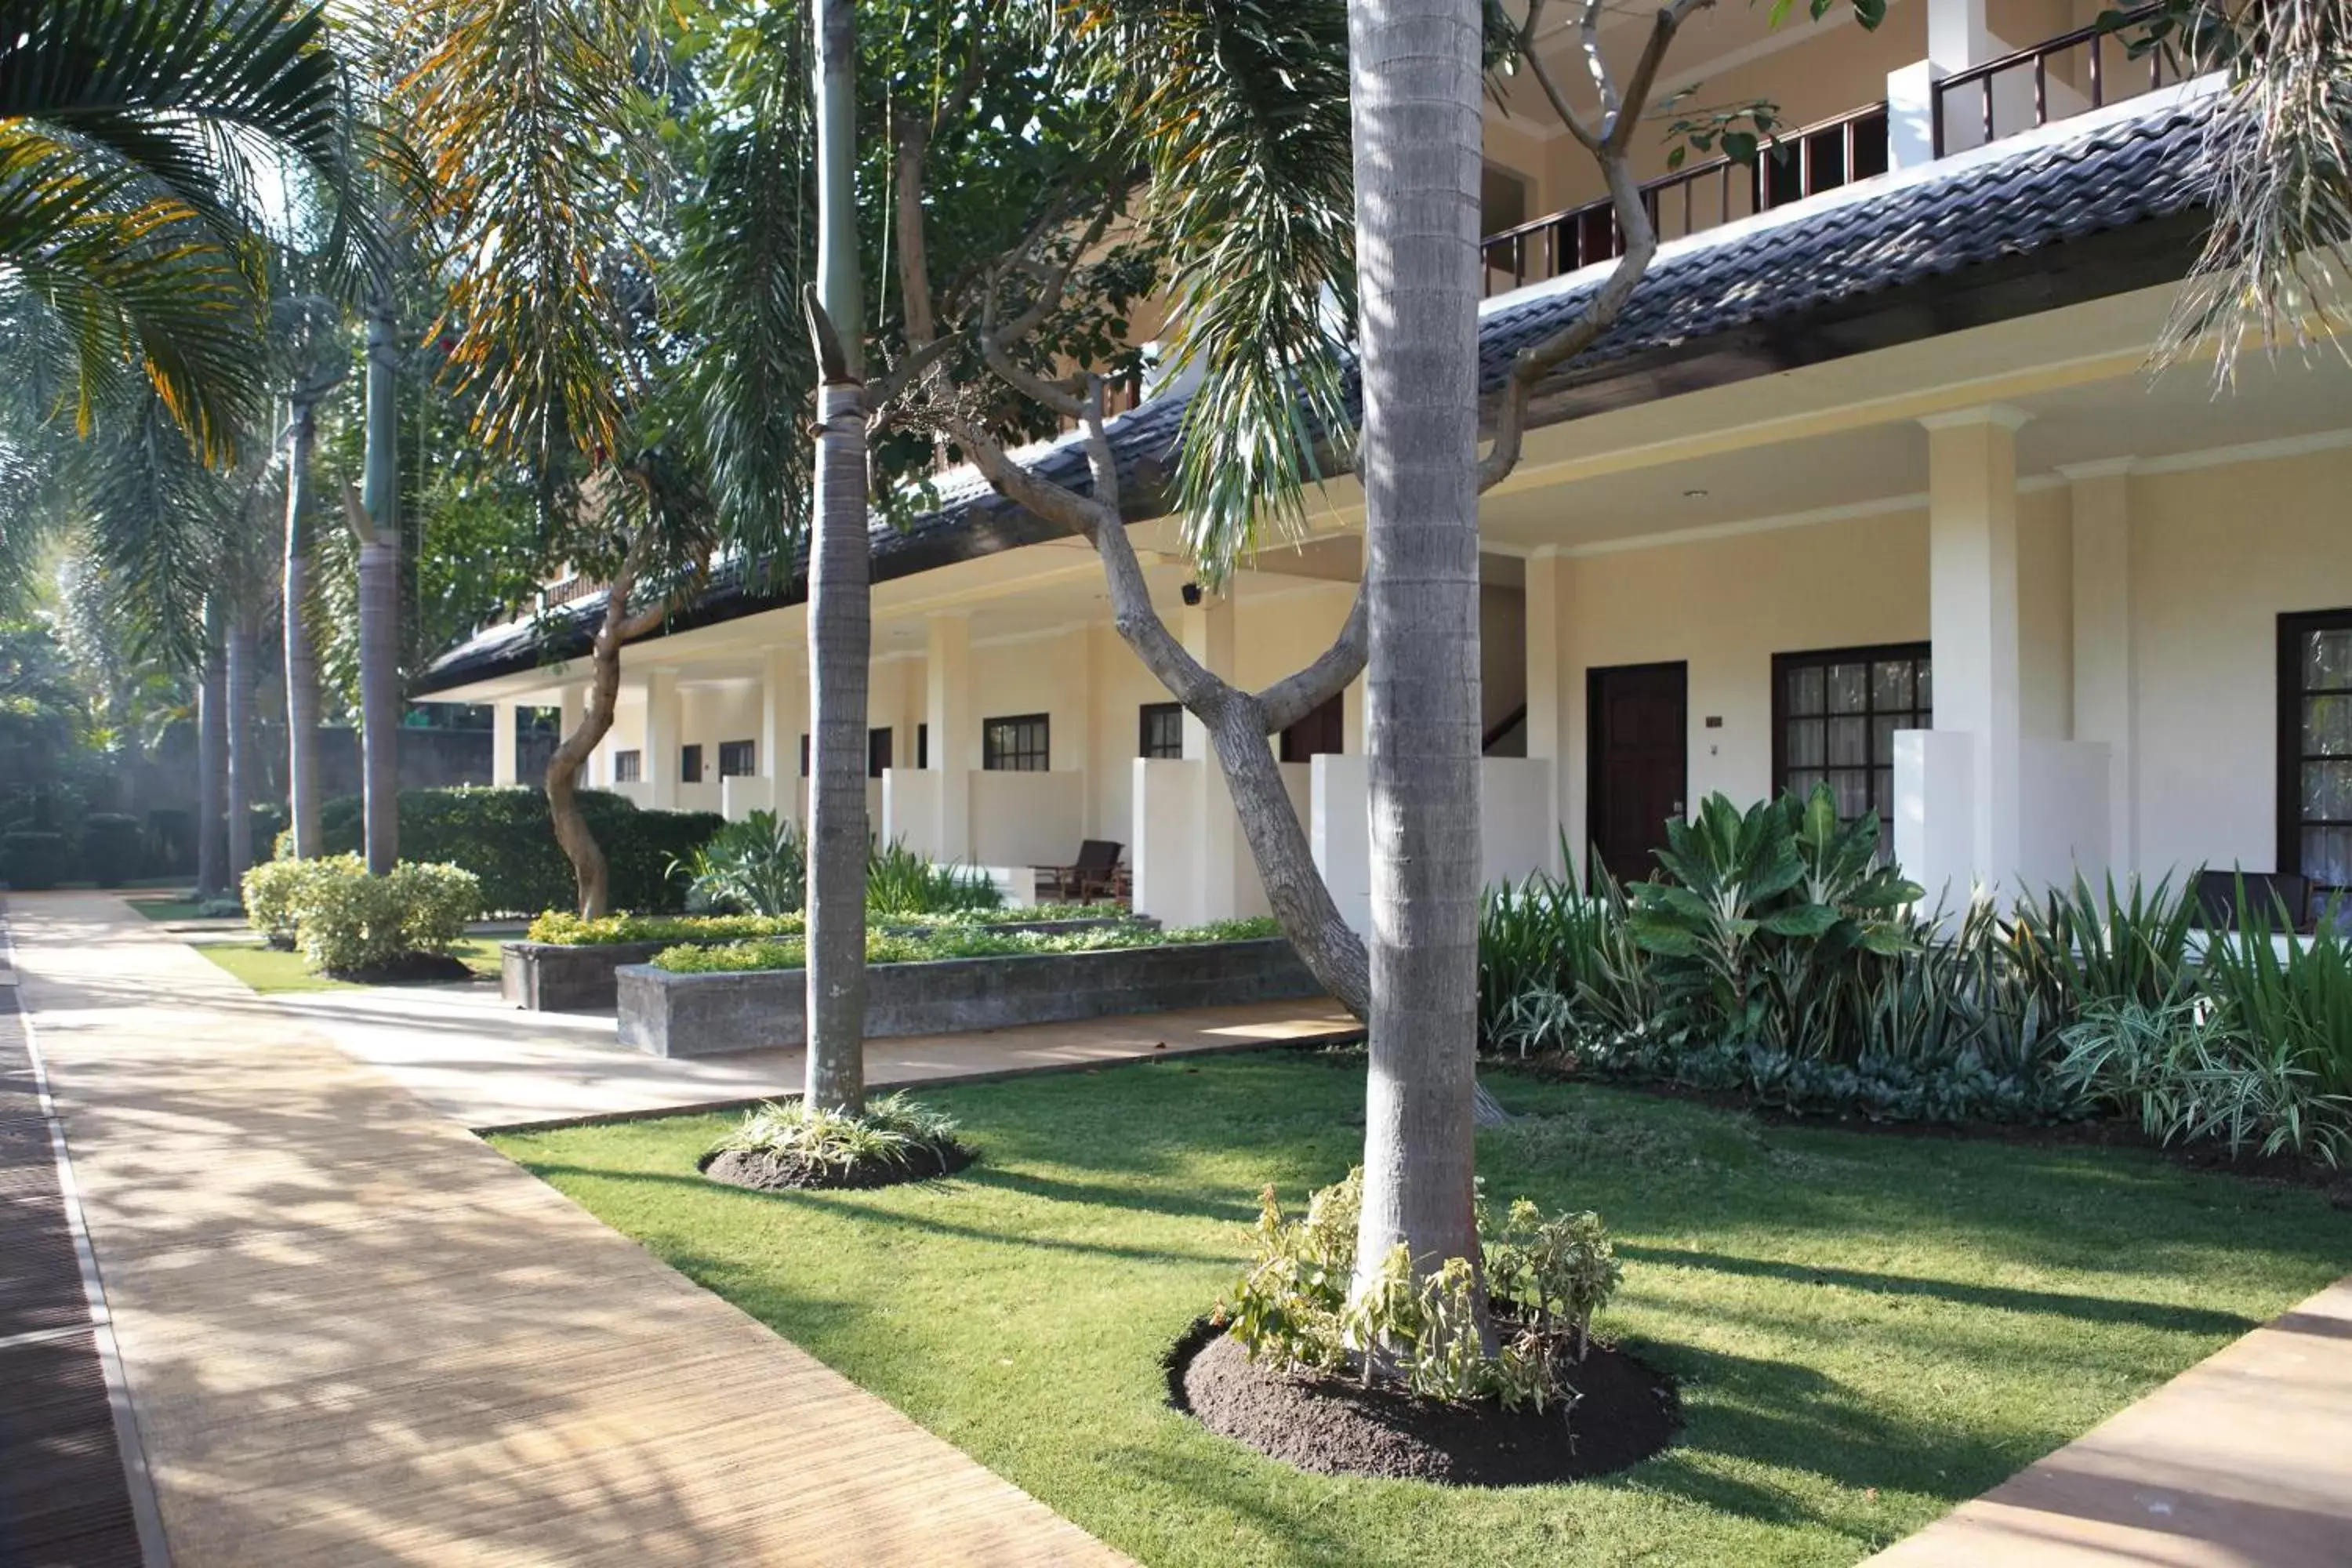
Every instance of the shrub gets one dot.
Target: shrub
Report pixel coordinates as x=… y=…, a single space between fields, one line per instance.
x=342 y=918
x=31 y=860
x=899 y=881
x=1549 y=1275
x=563 y=929
x=113 y=847
x=506 y=838
x=274 y=892
x=755 y=867
x=1557 y=967
x=894 y=1134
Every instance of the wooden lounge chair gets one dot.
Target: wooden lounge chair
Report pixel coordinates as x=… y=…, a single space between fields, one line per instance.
x=1094 y=875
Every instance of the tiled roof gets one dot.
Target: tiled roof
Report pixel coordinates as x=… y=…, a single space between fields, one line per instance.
x=2132 y=164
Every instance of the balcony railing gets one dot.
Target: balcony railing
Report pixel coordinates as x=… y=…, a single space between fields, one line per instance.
x=1986 y=102
x=1799 y=164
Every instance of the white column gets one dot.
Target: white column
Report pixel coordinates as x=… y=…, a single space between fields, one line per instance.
x=1550 y=714
x=955 y=730
x=504 y=715
x=1074 y=724
x=658 y=745
x=1957 y=35
x=1972 y=616
x=783 y=700
x=2106 y=666
x=1210 y=637
x=571 y=707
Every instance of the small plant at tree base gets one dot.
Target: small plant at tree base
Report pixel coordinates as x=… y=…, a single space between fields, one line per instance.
x=894 y=1133
x=1547 y=1275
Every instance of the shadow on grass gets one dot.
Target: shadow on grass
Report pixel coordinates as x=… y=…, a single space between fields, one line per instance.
x=2009 y=1298
x=866 y=1207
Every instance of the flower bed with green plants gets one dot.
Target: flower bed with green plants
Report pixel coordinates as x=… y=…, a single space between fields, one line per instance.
x=1778 y=958
x=561 y=928
x=958 y=940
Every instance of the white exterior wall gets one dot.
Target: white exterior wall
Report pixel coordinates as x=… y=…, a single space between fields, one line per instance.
x=2217 y=555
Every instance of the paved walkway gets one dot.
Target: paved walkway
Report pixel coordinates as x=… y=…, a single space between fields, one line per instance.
x=464 y=1052
x=2242 y=1461
x=353 y=1333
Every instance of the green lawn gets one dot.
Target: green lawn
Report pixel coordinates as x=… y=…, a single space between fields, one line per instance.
x=1867 y=1329
x=169 y=907
x=271 y=970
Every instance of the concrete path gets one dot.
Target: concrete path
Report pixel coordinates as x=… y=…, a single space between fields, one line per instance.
x=354 y=1333
x=2242 y=1461
x=483 y=1065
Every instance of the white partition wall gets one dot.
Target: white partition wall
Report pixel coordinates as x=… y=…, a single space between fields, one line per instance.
x=1935 y=815
x=1165 y=859
x=910 y=809
x=1027 y=819
x=1340 y=829
x=739 y=796
x=1518 y=829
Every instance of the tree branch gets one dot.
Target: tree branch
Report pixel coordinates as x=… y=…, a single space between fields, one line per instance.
x=1295 y=695
x=1619 y=133
x=1576 y=123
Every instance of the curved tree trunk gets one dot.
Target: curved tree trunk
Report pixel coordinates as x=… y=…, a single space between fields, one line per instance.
x=839 y=604
x=301 y=653
x=243 y=756
x=211 y=759
x=590 y=876
x=1414 y=69
x=379 y=604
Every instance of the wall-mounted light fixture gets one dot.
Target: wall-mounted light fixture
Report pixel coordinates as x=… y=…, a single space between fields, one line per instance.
x=1192 y=594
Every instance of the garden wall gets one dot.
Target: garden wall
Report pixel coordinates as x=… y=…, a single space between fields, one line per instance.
x=563 y=977
x=711 y=1015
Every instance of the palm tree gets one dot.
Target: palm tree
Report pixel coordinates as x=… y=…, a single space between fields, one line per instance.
x=839 y=606
x=132 y=132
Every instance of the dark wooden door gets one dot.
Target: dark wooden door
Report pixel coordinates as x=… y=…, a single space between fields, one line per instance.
x=1323 y=730
x=1639 y=762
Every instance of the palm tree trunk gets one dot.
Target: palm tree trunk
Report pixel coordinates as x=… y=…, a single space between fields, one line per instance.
x=243 y=754
x=379 y=598
x=301 y=653
x=1415 y=65
x=840 y=611
x=212 y=761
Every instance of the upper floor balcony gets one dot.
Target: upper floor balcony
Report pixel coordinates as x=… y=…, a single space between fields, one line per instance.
x=1972 y=89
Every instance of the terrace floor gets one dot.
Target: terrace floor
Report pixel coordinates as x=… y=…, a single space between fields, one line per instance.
x=350 y=1331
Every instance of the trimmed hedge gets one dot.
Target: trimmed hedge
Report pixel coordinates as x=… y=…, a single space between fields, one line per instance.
x=506 y=838
x=32 y=860
x=113 y=848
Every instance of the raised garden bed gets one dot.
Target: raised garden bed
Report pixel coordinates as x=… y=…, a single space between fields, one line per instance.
x=566 y=977
x=673 y=1015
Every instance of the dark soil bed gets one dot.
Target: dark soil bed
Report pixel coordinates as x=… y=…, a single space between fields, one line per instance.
x=767 y=1173
x=1628 y=1412
x=409 y=969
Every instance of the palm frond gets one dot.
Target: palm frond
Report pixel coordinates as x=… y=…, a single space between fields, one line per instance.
x=1240 y=108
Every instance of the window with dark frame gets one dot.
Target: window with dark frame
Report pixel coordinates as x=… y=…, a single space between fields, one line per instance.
x=738 y=759
x=804 y=756
x=878 y=752
x=1160 y=731
x=629 y=767
x=1322 y=731
x=1019 y=745
x=922 y=745
x=2314 y=753
x=1834 y=715
x=690 y=764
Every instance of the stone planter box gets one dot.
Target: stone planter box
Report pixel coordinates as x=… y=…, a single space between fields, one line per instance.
x=711 y=1014
x=557 y=977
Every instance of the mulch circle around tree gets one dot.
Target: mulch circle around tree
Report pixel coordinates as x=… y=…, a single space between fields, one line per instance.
x=767 y=1173
x=409 y=969
x=1628 y=1412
